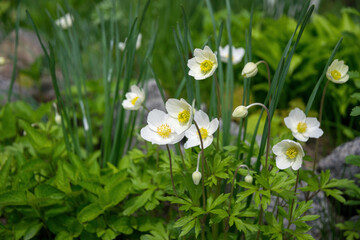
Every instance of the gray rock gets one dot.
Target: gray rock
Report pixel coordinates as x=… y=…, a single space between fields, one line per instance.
x=336 y=160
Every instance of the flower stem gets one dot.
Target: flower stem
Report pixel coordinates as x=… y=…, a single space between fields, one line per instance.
x=202 y=181
x=320 y=118
x=268 y=74
x=181 y=155
x=218 y=109
x=230 y=197
x=171 y=173
x=292 y=201
x=269 y=130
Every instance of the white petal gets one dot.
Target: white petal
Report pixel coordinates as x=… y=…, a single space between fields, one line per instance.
x=300 y=137
x=214 y=124
x=147 y=134
x=192 y=142
x=315 y=132
x=178 y=127
x=202 y=119
x=199 y=55
x=191 y=132
x=312 y=122
x=290 y=123
x=207 y=141
x=282 y=162
x=297 y=163
x=342 y=80
x=156 y=117
x=297 y=115
x=173 y=107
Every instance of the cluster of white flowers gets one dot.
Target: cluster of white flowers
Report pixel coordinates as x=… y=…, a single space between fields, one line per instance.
x=170 y=128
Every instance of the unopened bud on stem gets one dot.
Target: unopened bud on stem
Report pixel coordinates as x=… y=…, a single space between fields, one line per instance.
x=240 y=112
x=196 y=176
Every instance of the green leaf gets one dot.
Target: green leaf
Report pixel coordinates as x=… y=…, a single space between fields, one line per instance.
x=218 y=201
x=355 y=111
x=4 y=172
x=182 y=221
x=220 y=212
x=7 y=123
x=335 y=193
x=90 y=212
x=32 y=231
x=244 y=194
x=37 y=138
x=356 y=96
x=136 y=203
x=13 y=198
x=353 y=159
x=190 y=225
x=48 y=191
x=309 y=218
x=63 y=235
x=120 y=224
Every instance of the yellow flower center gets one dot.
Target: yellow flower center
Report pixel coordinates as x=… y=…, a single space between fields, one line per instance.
x=335 y=74
x=292 y=152
x=134 y=100
x=164 y=130
x=301 y=127
x=184 y=116
x=204 y=133
x=206 y=66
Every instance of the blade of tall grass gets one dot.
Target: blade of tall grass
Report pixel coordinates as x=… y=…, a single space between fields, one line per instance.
x=229 y=90
x=62 y=110
x=13 y=73
x=314 y=92
x=280 y=75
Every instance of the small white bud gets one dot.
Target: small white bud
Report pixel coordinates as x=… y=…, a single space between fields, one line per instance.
x=250 y=69
x=196 y=176
x=58 y=119
x=248 y=179
x=240 y=112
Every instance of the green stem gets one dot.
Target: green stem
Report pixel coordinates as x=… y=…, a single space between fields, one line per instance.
x=202 y=181
x=320 y=118
x=171 y=173
x=292 y=201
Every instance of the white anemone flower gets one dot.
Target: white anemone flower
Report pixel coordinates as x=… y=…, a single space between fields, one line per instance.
x=137 y=46
x=203 y=64
x=134 y=98
x=65 y=21
x=288 y=154
x=159 y=130
x=206 y=127
x=237 y=54
x=337 y=72
x=181 y=114
x=302 y=127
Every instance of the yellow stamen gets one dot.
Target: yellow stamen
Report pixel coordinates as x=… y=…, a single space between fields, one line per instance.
x=184 y=116
x=134 y=100
x=335 y=74
x=204 y=133
x=206 y=66
x=301 y=127
x=292 y=152
x=164 y=130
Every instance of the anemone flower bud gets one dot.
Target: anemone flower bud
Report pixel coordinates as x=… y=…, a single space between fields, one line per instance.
x=196 y=176
x=58 y=119
x=248 y=178
x=240 y=112
x=250 y=69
